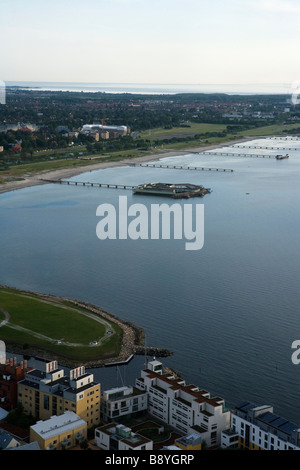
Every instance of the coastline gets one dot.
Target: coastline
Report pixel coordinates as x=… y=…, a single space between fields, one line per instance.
x=132 y=342
x=56 y=175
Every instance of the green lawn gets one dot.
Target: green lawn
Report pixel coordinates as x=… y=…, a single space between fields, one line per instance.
x=270 y=130
x=19 y=172
x=41 y=323
x=195 y=128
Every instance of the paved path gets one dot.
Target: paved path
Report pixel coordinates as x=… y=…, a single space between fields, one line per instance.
x=7 y=317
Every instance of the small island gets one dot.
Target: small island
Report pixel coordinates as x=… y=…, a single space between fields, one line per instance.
x=176 y=191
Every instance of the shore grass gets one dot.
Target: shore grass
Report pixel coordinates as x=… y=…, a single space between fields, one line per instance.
x=22 y=171
x=193 y=128
x=270 y=130
x=41 y=322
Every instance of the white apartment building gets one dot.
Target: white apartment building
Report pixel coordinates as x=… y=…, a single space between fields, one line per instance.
x=119 y=437
x=119 y=402
x=183 y=407
x=258 y=428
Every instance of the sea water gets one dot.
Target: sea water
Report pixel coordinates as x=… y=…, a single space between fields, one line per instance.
x=229 y=312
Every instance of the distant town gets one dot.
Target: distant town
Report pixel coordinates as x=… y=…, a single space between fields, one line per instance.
x=40 y=126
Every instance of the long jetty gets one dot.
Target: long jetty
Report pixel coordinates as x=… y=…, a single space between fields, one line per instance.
x=264 y=148
x=180 y=167
x=233 y=154
x=285 y=138
x=87 y=183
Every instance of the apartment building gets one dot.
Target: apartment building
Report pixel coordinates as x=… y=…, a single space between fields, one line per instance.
x=259 y=428
x=121 y=402
x=119 y=437
x=183 y=407
x=48 y=392
x=11 y=372
x=59 y=432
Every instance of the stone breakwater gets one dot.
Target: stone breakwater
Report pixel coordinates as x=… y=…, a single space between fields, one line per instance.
x=133 y=339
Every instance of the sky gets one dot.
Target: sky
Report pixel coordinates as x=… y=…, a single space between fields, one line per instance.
x=150 y=41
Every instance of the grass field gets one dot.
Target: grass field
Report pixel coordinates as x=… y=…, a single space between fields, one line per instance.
x=195 y=128
x=57 y=326
x=202 y=128
x=271 y=130
x=30 y=169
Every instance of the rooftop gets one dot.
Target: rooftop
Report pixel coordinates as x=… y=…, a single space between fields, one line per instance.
x=58 y=424
x=268 y=418
x=123 y=433
x=176 y=383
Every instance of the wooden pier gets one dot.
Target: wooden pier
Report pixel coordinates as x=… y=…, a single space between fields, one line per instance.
x=232 y=154
x=288 y=138
x=86 y=183
x=263 y=148
x=180 y=167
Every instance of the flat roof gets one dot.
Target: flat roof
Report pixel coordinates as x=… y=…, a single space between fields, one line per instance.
x=58 y=424
x=269 y=418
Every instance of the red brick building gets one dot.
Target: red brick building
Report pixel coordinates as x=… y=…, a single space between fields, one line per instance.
x=10 y=374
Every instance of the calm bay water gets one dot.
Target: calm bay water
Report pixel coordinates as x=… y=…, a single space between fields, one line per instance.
x=157 y=88
x=229 y=312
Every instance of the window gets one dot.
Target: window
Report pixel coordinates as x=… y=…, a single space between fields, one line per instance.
x=46 y=402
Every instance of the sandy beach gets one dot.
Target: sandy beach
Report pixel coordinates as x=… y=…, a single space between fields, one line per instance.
x=37 y=179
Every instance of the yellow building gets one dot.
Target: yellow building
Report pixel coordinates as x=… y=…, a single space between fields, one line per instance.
x=49 y=392
x=59 y=432
x=190 y=442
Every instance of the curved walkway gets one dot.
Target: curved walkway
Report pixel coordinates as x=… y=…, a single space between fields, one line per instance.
x=7 y=317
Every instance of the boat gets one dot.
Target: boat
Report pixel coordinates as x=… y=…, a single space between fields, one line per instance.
x=177 y=191
x=281 y=157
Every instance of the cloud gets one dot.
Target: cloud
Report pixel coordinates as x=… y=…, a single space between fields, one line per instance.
x=283 y=6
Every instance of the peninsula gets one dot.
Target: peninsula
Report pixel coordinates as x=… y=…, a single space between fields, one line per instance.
x=39 y=325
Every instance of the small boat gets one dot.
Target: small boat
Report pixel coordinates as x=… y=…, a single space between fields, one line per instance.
x=281 y=157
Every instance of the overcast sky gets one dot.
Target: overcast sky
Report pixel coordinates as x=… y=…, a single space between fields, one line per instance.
x=150 y=41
